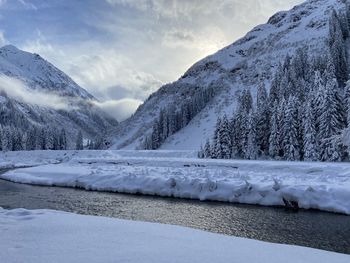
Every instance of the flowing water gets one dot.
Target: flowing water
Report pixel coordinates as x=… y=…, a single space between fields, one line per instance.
x=305 y=228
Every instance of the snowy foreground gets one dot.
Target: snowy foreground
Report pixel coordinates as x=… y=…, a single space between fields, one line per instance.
x=324 y=186
x=52 y=236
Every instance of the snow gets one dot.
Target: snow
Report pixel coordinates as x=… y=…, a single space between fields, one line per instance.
x=38 y=73
x=48 y=90
x=323 y=186
x=264 y=47
x=52 y=236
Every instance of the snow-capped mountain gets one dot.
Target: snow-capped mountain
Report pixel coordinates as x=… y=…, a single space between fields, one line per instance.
x=242 y=65
x=34 y=92
x=37 y=73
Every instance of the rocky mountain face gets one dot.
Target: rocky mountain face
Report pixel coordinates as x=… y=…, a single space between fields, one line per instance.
x=250 y=61
x=33 y=92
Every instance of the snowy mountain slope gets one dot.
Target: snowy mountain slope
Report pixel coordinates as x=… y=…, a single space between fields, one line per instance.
x=244 y=64
x=38 y=73
x=43 y=81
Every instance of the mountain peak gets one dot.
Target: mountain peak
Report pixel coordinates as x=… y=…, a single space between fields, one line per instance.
x=9 y=48
x=38 y=73
x=242 y=65
x=50 y=98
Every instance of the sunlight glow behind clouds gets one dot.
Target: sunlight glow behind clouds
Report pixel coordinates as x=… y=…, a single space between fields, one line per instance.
x=126 y=49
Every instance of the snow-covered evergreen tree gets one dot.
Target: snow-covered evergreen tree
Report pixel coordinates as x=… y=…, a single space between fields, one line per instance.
x=215 y=151
x=263 y=121
x=207 y=149
x=274 y=140
x=251 y=152
x=79 y=145
x=310 y=145
x=62 y=144
x=281 y=124
x=16 y=140
x=331 y=121
x=347 y=102
x=337 y=48
x=7 y=138
x=224 y=140
x=1 y=135
x=291 y=144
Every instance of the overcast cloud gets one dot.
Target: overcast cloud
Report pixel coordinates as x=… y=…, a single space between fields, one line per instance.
x=123 y=50
x=16 y=89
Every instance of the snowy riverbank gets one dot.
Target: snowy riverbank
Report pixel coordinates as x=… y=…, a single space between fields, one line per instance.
x=324 y=186
x=51 y=236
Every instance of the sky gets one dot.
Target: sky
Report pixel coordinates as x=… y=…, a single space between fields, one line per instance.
x=121 y=51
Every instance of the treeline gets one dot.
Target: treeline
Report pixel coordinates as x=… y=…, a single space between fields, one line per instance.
x=14 y=139
x=46 y=138
x=36 y=138
x=173 y=118
x=303 y=116
x=19 y=132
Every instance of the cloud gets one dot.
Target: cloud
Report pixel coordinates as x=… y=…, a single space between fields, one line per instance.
x=20 y=5
x=119 y=109
x=188 y=9
x=28 y=5
x=126 y=49
x=16 y=89
x=109 y=76
x=207 y=40
x=3 y=40
x=171 y=8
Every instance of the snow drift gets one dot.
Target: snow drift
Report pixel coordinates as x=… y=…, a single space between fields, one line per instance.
x=323 y=186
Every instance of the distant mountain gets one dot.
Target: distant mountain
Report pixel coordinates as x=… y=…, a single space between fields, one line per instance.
x=33 y=92
x=250 y=61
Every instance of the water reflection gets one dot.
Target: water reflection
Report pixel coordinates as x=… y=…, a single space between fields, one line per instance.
x=307 y=228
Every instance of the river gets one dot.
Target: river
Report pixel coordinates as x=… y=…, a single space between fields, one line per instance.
x=305 y=228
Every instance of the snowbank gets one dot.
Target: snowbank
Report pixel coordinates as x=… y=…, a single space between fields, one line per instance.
x=323 y=186
x=10 y=160
x=51 y=236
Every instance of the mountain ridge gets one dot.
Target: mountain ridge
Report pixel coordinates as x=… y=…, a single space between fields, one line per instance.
x=242 y=65
x=36 y=93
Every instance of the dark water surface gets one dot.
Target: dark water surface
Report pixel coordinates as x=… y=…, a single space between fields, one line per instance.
x=305 y=228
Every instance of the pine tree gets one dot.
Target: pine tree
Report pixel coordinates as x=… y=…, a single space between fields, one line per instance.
x=274 y=140
x=274 y=95
x=1 y=135
x=224 y=139
x=42 y=139
x=291 y=145
x=347 y=102
x=207 y=149
x=263 y=121
x=16 y=140
x=317 y=92
x=251 y=152
x=282 y=127
x=215 y=152
x=79 y=145
x=156 y=136
x=56 y=140
x=310 y=146
x=331 y=121
x=235 y=136
x=337 y=48
x=200 y=154
x=63 y=140
x=49 y=138
x=31 y=139
x=7 y=139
